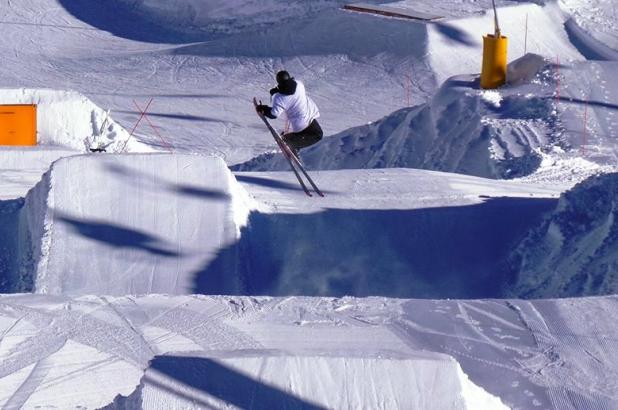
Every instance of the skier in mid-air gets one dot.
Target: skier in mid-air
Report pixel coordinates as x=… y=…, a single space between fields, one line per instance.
x=289 y=96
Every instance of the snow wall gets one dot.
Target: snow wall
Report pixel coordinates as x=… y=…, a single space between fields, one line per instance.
x=574 y=252
x=276 y=379
x=70 y=120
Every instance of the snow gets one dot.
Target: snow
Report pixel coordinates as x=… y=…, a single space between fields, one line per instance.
x=577 y=240
x=402 y=288
x=152 y=244
x=527 y=352
x=493 y=134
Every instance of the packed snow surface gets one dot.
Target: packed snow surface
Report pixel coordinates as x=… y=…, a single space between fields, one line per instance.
x=158 y=351
x=137 y=230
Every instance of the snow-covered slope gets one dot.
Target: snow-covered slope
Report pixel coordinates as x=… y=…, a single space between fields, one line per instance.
x=493 y=134
x=575 y=250
x=63 y=352
x=130 y=224
x=358 y=68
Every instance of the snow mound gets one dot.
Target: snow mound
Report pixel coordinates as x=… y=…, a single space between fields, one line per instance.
x=70 y=120
x=276 y=379
x=574 y=252
x=492 y=134
x=129 y=224
x=525 y=68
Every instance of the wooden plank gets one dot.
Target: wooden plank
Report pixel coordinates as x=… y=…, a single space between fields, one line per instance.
x=391 y=11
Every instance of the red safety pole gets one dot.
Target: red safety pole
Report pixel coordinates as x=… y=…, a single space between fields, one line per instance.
x=526 y=37
x=140 y=118
x=135 y=126
x=585 y=133
x=169 y=146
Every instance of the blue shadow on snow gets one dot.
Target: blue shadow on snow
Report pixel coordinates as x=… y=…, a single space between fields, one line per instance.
x=223 y=383
x=452 y=252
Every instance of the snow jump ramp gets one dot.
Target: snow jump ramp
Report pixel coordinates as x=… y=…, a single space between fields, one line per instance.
x=129 y=224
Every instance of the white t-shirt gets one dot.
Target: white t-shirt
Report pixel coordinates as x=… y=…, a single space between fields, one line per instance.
x=299 y=108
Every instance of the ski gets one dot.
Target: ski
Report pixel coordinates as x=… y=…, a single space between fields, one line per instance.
x=284 y=149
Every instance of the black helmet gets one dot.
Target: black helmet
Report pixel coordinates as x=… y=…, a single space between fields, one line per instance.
x=282 y=77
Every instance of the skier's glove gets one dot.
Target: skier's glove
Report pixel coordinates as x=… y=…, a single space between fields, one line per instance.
x=274 y=91
x=262 y=109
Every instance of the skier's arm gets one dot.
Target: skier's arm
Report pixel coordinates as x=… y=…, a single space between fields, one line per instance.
x=277 y=108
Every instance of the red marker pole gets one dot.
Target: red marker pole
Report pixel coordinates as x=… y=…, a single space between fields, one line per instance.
x=585 y=133
x=169 y=146
x=526 y=36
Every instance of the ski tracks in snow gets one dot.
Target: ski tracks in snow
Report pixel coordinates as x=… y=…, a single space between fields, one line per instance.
x=529 y=353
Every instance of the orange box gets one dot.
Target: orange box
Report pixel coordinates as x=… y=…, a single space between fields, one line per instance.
x=18 y=124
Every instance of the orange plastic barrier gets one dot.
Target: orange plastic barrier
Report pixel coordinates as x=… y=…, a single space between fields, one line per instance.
x=18 y=124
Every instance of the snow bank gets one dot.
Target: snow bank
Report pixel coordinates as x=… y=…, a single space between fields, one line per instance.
x=589 y=46
x=573 y=252
x=525 y=68
x=130 y=224
x=69 y=119
x=268 y=380
x=493 y=134
x=597 y=18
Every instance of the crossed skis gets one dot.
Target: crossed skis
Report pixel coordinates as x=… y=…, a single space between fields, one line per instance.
x=289 y=155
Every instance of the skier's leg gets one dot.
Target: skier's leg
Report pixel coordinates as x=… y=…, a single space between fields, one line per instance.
x=305 y=138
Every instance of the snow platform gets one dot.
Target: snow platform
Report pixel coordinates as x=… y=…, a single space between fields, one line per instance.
x=129 y=224
x=388 y=11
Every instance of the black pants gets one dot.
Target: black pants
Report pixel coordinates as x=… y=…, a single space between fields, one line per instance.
x=302 y=139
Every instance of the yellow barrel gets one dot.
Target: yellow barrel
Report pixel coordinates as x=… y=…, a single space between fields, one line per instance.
x=18 y=124
x=493 y=74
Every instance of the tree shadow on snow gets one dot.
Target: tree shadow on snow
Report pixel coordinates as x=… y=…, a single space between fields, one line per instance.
x=455 y=34
x=451 y=252
x=153 y=182
x=332 y=32
x=116 y=236
x=220 y=382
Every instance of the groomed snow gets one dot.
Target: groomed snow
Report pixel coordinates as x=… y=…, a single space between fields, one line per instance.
x=529 y=353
